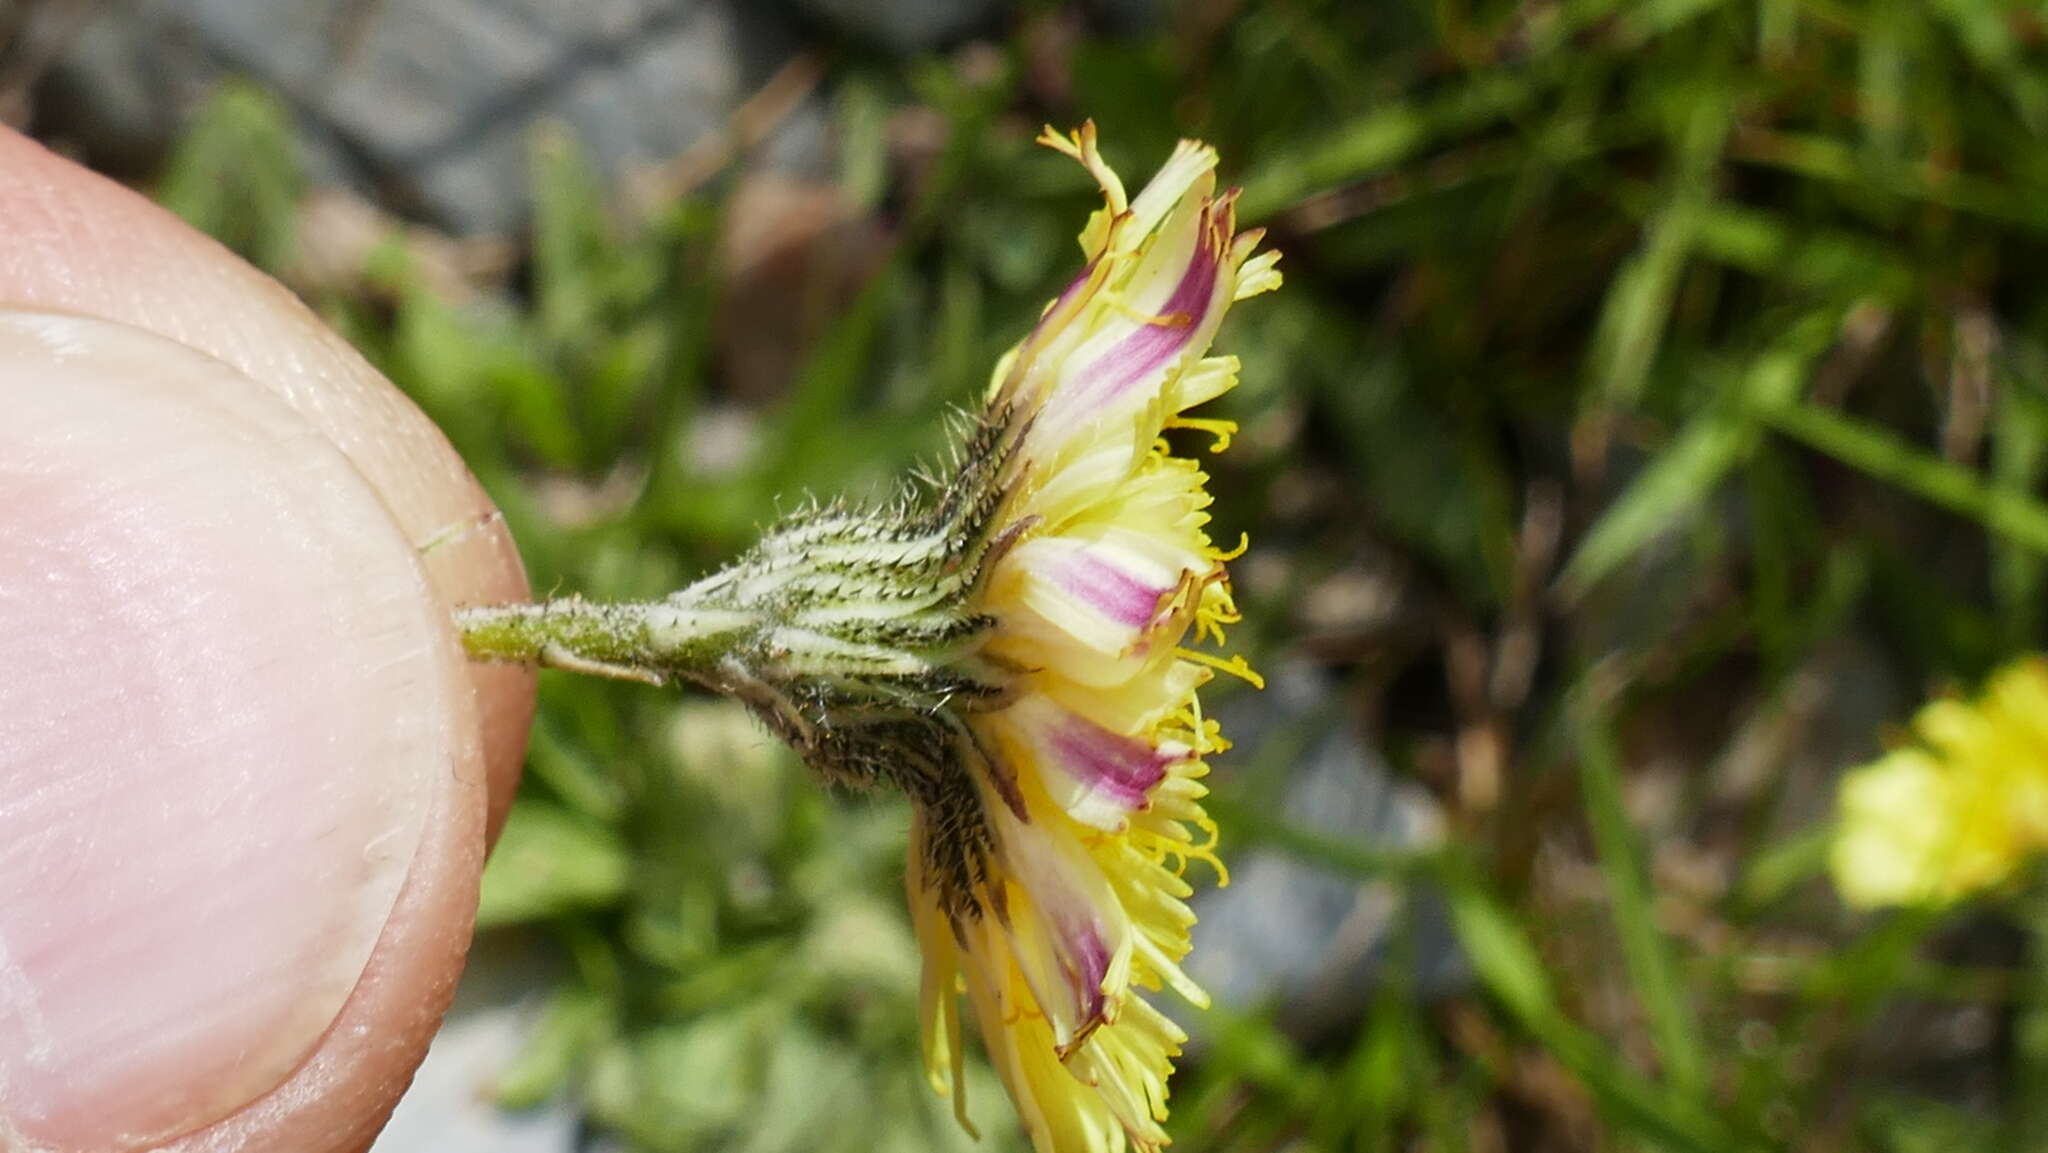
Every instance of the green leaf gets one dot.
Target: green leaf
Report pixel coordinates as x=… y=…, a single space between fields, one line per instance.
x=812 y=1092
x=691 y=1086
x=547 y=862
x=235 y=175
x=572 y=241
x=1502 y=957
x=575 y=1021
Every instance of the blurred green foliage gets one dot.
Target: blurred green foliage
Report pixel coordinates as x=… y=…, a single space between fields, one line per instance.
x=1736 y=295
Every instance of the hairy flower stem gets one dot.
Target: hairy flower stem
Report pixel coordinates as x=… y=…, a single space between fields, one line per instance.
x=864 y=690
x=653 y=642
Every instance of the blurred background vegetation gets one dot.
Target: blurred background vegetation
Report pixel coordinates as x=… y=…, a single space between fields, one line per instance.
x=1654 y=413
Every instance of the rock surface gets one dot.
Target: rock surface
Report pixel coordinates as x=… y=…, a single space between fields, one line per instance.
x=1306 y=940
x=428 y=105
x=907 y=27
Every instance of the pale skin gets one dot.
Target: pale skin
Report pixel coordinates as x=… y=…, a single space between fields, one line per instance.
x=247 y=777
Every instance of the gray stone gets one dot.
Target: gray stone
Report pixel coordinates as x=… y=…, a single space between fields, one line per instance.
x=1301 y=938
x=429 y=105
x=907 y=27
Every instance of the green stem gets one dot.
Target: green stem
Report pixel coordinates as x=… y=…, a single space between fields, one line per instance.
x=652 y=641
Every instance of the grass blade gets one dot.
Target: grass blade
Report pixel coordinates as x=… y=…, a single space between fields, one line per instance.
x=1887 y=457
x=1622 y=865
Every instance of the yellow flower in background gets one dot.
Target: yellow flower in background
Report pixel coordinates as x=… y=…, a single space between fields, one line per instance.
x=1959 y=811
x=1009 y=647
x=1094 y=769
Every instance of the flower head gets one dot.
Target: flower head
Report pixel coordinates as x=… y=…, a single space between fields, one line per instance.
x=1011 y=651
x=1959 y=810
x=1093 y=764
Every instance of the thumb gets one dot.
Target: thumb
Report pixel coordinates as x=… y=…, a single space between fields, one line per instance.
x=242 y=789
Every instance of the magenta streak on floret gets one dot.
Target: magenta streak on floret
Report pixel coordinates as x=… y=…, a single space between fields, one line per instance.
x=1119 y=768
x=1087 y=963
x=1110 y=590
x=1145 y=351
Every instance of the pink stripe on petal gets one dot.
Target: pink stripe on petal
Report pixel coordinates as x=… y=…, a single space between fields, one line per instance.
x=1095 y=775
x=1111 y=591
x=1151 y=346
x=1114 y=767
